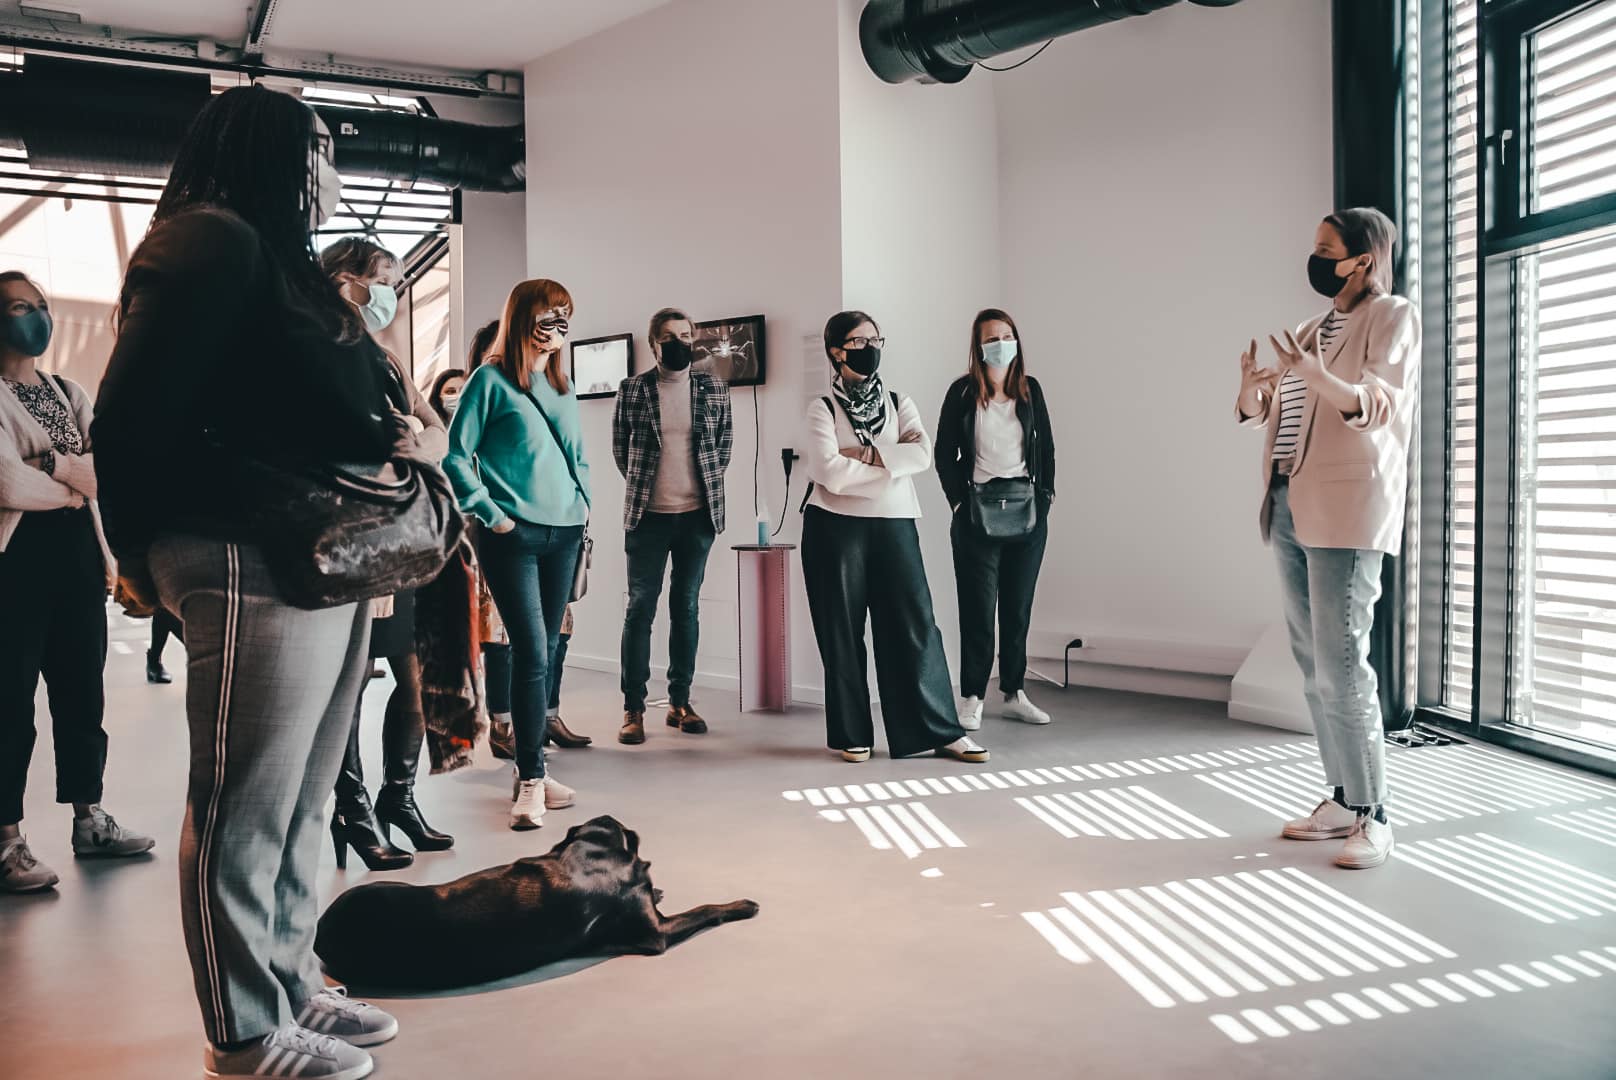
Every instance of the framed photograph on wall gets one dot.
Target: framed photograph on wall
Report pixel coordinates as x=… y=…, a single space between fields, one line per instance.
x=732 y=349
x=599 y=365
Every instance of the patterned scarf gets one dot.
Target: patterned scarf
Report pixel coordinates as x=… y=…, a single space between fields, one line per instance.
x=865 y=404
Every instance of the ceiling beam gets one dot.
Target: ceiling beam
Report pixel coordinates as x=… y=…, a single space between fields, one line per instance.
x=259 y=28
x=202 y=54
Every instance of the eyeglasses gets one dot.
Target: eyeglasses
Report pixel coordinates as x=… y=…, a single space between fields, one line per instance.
x=864 y=343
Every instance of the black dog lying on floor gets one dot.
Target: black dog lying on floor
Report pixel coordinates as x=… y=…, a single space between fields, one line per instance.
x=590 y=896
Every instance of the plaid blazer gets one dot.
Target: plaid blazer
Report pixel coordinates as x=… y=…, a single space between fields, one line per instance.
x=637 y=441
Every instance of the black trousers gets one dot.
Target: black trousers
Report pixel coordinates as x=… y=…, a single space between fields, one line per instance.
x=1001 y=575
x=857 y=568
x=53 y=623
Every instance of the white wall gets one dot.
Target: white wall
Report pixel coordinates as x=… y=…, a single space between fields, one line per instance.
x=657 y=177
x=920 y=248
x=490 y=248
x=1141 y=197
x=1160 y=182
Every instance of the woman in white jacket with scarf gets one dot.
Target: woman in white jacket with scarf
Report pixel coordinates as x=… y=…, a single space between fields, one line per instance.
x=54 y=573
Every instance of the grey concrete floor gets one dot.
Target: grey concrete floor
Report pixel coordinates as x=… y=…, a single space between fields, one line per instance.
x=922 y=932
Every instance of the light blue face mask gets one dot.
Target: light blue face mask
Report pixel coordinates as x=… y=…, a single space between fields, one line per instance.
x=379 y=312
x=1000 y=354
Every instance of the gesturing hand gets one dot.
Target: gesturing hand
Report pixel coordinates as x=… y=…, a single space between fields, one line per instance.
x=1252 y=377
x=1292 y=357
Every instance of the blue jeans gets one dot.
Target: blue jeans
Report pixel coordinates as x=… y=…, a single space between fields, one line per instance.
x=686 y=539
x=1330 y=596
x=529 y=572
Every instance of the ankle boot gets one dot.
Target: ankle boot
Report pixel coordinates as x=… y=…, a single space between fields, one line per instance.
x=396 y=808
x=556 y=731
x=360 y=832
x=502 y=740
x=632 y=732
x=155 y=671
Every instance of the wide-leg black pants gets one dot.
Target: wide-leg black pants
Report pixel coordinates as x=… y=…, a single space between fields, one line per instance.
x=857 y=568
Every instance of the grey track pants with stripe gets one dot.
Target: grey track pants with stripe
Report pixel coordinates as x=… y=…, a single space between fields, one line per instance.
x=270 y=696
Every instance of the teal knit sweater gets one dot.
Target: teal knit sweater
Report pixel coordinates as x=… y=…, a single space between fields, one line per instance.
x=504 y=463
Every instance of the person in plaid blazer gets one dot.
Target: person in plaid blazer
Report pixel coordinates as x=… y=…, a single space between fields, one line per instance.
x=671 y=438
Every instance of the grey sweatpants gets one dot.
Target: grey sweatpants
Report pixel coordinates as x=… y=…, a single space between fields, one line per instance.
x=270 y=695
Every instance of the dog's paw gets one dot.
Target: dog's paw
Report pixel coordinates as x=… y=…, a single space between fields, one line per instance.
x=745 y=909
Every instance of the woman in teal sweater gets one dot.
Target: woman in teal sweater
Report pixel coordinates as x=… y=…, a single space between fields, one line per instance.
x=516 y=460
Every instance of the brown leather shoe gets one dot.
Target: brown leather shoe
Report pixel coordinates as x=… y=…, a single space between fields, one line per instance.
x=632 y=732
x=557 y=732
x=686 y=720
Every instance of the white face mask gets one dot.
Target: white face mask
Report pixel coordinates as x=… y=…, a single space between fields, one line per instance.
x=378 y=313
x=327 y=192
x=1000 y=354
x=450 y=404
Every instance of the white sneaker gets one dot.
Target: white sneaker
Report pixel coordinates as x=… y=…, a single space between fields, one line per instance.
x=856 y=754
x=1328 y=821
x=333 y=1012
x=970 y=713
x=557 y=796
x=1017 y=707
x=100 y=837
x=527 y=809
x=20 y=872
x=290 y=1051
x=1367 y=845
x=965 y=749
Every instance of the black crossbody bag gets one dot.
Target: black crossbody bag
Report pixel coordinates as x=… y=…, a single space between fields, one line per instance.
x=1004 y=508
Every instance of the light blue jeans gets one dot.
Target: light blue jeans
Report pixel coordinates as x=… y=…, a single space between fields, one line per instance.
x=1330 y=596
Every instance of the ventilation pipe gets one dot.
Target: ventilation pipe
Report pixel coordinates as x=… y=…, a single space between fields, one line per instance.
x=74 y=116
x=939 y=40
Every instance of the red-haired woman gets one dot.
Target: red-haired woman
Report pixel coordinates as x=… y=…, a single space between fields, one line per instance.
x=995 y=448
x=516 y=460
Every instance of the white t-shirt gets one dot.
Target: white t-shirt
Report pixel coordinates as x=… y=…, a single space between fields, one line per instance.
x=1000 y=442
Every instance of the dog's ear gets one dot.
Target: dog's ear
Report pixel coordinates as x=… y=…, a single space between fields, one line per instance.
x=631 y=842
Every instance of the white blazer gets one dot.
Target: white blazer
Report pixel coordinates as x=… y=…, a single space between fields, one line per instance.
x=846 y=486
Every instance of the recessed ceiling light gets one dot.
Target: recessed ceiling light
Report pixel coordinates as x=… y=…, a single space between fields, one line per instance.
x=34 y=11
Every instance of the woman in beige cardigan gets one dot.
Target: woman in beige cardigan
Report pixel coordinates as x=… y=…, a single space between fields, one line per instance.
x=1339 y=410
x=54 y=571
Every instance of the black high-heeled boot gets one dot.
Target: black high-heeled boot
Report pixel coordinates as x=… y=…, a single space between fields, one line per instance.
x=156 y=673
x=403 y=733
x=354 y=823
x=396 y=808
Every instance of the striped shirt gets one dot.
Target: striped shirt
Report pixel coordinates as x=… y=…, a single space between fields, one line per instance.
x=1293 y=391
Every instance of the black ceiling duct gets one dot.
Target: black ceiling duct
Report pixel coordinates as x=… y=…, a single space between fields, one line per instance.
x=939 y=40
x=74 y=116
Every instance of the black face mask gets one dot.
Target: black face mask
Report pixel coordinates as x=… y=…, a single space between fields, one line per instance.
x=863 y=361
x=1322 y=276
x=676 y=354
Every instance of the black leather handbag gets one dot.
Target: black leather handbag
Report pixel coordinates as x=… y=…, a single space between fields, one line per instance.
x=339 y=534
x=1005 y=508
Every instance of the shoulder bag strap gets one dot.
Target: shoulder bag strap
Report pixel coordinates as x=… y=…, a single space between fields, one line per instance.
x=556 y=435
x=806 y=495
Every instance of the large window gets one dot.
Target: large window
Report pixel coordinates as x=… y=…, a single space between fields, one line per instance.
x=1525 y=366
